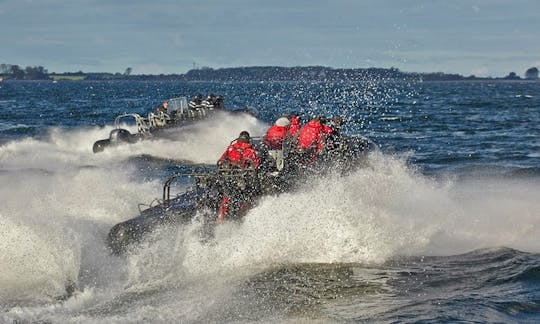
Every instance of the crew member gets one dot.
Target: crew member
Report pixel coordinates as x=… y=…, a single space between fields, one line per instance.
x=218 y=103
x=275 y=138
x=240 y=153
x=295 y=124
x=336 y=124
x=333 y=134
x=162 y=108
x=196 y=101
x=237 y=199
x=209 y=102
x=310 y=139
x=277 y=134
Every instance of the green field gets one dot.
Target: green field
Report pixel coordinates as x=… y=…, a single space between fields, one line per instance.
x=68 y=77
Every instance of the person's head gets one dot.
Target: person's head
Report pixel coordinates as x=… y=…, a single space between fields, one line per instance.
x=165 y=104
x=337 y=121
x=321 y=119
x=244 y=137
x=283 y=122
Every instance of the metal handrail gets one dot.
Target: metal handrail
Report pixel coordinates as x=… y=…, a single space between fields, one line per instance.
x=204 y=177
x=118 y=118
x=142 y=125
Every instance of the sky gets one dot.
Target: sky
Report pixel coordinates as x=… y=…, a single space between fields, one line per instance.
x=468 y=37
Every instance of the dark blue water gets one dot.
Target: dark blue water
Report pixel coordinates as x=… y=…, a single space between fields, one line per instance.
x=446 y=125
x=442 y=225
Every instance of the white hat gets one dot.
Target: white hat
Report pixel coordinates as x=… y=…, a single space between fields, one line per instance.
x=283 y=122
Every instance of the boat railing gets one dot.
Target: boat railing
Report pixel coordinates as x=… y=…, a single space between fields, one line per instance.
x=158 y=119
x=153 y=203
x=208 y=178
x=201 y=179
x=142 y=124
x=239 y=178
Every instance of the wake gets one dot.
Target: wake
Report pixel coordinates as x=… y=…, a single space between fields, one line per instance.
x=62 y=199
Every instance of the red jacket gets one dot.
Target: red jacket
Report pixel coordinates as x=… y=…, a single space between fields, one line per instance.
x=240 y=154
x=327 y=130
x=274 y=137
x=311 y=135
x=295 y=125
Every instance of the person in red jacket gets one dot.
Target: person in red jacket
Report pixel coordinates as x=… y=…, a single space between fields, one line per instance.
x=311 y=139
x=240 y=153
x=333 y=133
x=276 y=134
x=310 y=136
x=295 y=124
x=275 y=139
x=237 y=199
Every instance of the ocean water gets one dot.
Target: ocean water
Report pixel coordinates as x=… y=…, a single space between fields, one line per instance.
x=442 y=224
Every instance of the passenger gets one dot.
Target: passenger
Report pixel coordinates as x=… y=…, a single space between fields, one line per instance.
x=336 y=124
x=196 y=101
x=295 y=124
x=311 y=139
x=209 y=102
x=218 y=103
x=162 y=108
x=277 y=134
x=240 y=154
x=237 y=197
x=275 y=138
x=333 y=134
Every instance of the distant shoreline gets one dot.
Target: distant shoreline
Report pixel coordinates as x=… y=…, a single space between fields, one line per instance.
x=131 y=79
x=261 y=74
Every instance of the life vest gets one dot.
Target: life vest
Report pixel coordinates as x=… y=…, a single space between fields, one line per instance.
x=327 y=130
x=295 y=125
x=240 y=154
x=311 y=136
x=274 y=137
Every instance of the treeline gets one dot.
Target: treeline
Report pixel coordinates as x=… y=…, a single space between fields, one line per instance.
x=320 y=73
x=255 y=74
x=13 y=71
x=28 y=73
x=308 y=73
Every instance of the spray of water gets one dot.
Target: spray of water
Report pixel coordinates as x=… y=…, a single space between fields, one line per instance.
x=382 y=210
x=60 y=200
x=201 y=142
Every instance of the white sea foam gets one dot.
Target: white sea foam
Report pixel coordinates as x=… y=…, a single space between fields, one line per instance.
x=59 y=200
x=35 y=261
x=380 y=211
x=202 y=142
